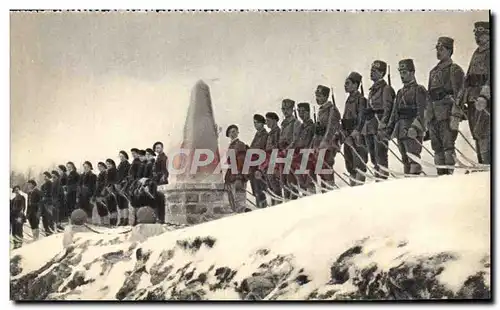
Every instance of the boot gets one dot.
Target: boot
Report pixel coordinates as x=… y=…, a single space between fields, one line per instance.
x=105 y=221
x=113 y=222
x=441 y=171
x=36 y=233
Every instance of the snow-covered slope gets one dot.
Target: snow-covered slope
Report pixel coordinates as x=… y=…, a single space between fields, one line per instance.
x=400 y=239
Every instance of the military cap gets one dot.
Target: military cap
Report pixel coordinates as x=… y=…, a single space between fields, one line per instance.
x=406 y=64
x=62 y=167
x=379 y=65
x=259 y=118
x=141 y=152
x=101 y=164
x=134 y=150
x=88 y=163
x=124 y=154
x=150 y=151
x=47 y=174
x=110 y=161
x=229 y=128
x=482 y=26
x=54 y=172
x=156 y=143
x=304 y=105
x=355 y=77
x=288 y=104
x=446 y=42
x=32 y=182
x=16 y=187
x=273 y=116
x=323 y=90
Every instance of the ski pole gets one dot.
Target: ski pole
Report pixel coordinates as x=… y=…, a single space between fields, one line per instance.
x=424 y=147
x=390 y=150
x=467 y=140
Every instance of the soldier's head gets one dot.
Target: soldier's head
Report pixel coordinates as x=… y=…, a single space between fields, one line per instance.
x=101 y=166
x=352 y=82
x=16 y=190
x=378 y=70
x=62 y=168
x=406 y=70
x=232 y=132
x=110 y=163
x=87 y=166
x=158 y=147
x=31 y=185
x=272 y=119
x=123 y=156
x=259 y=121
x=47 y=176
x=287 y=106
x=444 y=48
x=55 y=175
x=150 y=154
x=482 y=32
x=304 y=111
x=142 y=155
x=135 y=153
x=71 y=166
x=322 y=93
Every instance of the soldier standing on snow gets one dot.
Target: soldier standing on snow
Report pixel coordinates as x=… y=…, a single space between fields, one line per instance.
x=47 y=211
x=352 y=124
x=73 y=186
x=88 y=181
x=17 y=218
x=477 y=98
x=111 y=172
x=272 y=143
x=34 y=208
x=150 y=163
x=326 y=131
x=57 y=200
x=407 y=122
x=303 y=141
x=380 y=102
x=288 y=133
x=256 y=177
x=63 y=180
x=160 y=171
x=445 y=83
x=236 y=179
x=123 y=167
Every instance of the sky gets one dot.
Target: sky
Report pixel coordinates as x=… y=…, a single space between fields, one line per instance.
x=86 y=85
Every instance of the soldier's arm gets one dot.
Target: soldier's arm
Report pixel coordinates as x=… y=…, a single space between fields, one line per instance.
x=394 y=113
x=486 y=89
x=388 y=97
x=422 y=99
x=308 y=134
x=458 y=84
x=361 y=113
x=332 y=126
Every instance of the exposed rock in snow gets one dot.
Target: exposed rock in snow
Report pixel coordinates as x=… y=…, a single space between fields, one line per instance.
x=400 y=239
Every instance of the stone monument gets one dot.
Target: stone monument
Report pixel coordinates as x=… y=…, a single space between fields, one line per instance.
x=198 y=196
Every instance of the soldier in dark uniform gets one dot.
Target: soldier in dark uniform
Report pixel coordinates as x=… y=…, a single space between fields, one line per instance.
x=123 y=167
x=160 y=171
x=100 y=193
x=476 y=98
x=236 y=178
x=407 y=122
x=17 y=218
x=63 y=180
x=445 y=83
x=355 y=152
x=34 y=208
x=288 y=133
x=88 y=181
x=57 y=200
x=303 y=140
x=377 y=114
x=272 y=143
x=256 y=177
x=143 y=165
x=73 y=187
x=326 y=131
x=111 y=172
x=101 y=179
x=47 y=204
x=134 y=171
x=150 y=163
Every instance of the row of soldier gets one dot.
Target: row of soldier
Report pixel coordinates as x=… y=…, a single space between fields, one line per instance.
x=65 y=190
x=408 y=118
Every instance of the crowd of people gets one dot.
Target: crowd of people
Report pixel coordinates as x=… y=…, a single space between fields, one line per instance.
x=111 y=191
x=407 y=118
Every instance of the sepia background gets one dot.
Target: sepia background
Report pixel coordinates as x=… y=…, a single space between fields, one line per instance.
x=85 y=85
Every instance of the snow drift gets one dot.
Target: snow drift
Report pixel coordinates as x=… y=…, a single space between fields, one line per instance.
x=400 y=239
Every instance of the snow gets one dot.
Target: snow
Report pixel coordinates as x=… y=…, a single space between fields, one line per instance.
x=395 y=222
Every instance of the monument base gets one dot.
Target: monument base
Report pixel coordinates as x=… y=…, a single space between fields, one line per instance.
x=194 y=203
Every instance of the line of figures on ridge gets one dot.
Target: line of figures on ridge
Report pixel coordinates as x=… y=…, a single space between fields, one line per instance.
x=111 y=192
x=408 y=118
